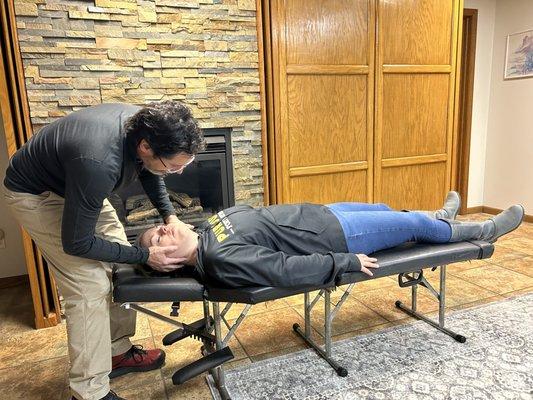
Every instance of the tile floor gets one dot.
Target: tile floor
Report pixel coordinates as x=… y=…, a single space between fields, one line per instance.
x=33 y=363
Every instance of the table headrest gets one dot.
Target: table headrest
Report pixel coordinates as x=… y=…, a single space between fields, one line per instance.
x=133 y=283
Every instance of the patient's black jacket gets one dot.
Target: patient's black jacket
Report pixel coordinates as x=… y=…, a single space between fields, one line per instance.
x=299 y=245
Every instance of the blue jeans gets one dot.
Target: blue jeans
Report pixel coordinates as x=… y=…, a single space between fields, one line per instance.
x=372 y=227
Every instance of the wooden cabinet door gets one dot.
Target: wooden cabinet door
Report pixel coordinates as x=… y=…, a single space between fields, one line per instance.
x=415 y=87
x=323 y=67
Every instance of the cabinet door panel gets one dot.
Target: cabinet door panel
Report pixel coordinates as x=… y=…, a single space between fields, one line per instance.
x=327 y=119
x=330 y=188
x=416 y=31
x=323 y=53
x=417 y=124
x=405 y=187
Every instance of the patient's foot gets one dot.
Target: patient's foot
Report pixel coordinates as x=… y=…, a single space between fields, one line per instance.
x=506 y=221
x=451 y=206
x=137 y=360
x=489 y=230
x=448 y=211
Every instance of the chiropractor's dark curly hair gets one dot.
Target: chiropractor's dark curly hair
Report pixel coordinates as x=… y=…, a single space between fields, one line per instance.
x=168 y=127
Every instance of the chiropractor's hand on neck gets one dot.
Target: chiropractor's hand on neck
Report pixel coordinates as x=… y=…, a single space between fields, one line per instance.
x=172 y=219
x=161 y=258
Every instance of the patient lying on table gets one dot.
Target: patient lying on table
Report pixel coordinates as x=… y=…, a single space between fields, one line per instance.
x=302 y=245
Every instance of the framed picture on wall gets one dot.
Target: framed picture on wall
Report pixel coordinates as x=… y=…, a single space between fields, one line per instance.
x=519 y=55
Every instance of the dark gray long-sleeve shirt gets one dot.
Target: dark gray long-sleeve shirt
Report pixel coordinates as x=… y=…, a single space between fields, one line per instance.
x=84 y=157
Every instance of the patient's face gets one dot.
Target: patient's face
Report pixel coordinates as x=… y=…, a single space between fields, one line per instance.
x=163 y=235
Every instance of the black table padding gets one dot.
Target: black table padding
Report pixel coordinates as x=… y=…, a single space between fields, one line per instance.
x=412 y=257
x=132 y=286
x=136 y=284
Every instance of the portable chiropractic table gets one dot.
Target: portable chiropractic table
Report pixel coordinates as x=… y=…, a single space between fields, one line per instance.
x=133 y=285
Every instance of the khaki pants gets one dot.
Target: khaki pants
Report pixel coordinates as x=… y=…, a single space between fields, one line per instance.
x=97 y=328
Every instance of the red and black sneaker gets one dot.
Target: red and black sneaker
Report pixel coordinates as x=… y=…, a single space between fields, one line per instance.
x=137 y=360
x=110 y=396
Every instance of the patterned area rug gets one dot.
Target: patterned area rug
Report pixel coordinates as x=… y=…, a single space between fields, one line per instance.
x=410 y=362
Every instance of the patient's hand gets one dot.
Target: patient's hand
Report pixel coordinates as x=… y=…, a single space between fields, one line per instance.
x=160 y=258
x=367 y=262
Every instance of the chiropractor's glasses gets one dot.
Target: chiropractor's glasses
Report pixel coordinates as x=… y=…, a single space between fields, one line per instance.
x=172 y=169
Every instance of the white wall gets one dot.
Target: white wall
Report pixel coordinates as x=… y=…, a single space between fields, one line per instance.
x=480 y=104
x=12 y=262
x=509 y=159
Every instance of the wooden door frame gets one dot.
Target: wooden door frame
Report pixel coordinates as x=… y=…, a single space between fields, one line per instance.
x=465 y=101
x=266 y=88
x=18 y=129
x=269 y=94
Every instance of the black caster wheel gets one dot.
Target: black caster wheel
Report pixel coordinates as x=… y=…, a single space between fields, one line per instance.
x=460 y=338
x=342 y=372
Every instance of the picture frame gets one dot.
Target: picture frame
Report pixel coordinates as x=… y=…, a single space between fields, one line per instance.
x=519 y=55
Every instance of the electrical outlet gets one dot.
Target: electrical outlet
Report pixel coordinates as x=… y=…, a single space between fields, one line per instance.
x=2 y=239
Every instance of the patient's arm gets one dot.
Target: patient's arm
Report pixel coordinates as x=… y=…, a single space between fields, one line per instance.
x=253 y=265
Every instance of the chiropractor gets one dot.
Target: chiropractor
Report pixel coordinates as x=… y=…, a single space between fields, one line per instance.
x=57 y=186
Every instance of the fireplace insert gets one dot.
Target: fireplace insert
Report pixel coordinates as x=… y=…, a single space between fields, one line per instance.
x=204 y=188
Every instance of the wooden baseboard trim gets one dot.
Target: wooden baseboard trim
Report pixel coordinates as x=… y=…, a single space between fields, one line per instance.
x=493 y=211
x=474 y=210
x=12 y=281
